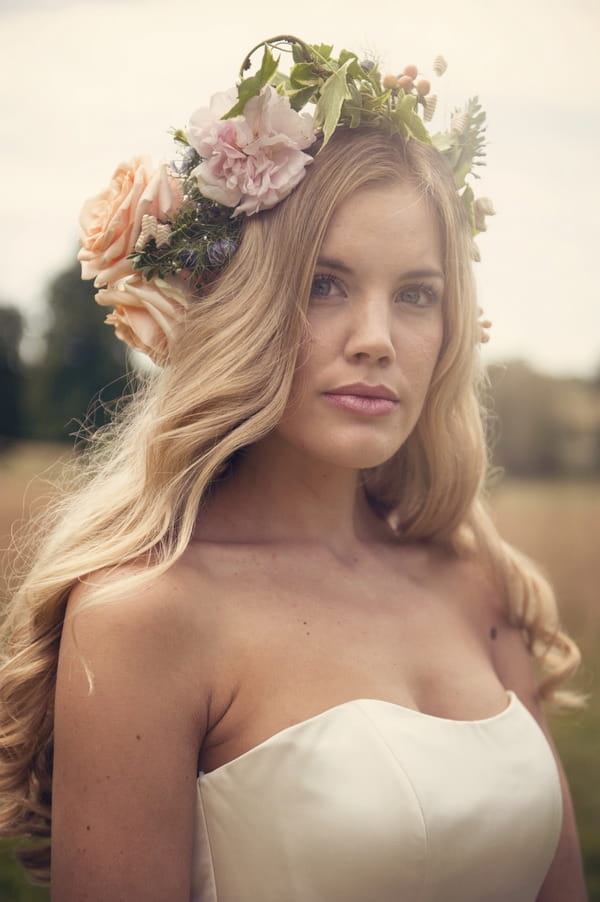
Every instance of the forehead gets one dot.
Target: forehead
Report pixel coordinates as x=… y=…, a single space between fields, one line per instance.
x=396 y=217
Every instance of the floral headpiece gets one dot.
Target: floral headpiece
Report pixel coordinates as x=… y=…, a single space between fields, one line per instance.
x=155 y=237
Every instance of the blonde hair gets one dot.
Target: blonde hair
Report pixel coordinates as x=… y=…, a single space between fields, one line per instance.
x=226 y=386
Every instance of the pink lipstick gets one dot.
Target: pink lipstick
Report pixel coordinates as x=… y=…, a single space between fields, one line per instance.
x=369 y=400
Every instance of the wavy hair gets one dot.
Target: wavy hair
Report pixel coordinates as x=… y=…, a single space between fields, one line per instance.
x=226 y=386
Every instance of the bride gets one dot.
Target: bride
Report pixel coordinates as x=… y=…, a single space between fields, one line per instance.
x=271 y=647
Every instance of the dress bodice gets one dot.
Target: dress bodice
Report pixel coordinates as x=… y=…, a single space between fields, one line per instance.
x=373 y=802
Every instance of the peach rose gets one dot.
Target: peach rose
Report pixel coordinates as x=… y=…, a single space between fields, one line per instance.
x=146 y=312
x=111 y=221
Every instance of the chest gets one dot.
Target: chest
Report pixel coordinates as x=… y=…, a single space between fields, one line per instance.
x=302 y=638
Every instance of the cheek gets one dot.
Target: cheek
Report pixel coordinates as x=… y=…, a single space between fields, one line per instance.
x=312 y=359
x=419 y=357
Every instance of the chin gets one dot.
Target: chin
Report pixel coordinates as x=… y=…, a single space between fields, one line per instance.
x=361 y=455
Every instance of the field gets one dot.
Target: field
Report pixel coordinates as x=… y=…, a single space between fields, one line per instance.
x=556 y=523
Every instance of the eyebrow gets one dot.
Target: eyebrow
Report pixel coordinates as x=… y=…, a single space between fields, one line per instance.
x=425 y=273
x=332 y=263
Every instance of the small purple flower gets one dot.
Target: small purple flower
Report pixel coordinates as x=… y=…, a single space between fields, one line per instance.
x=220 y=252
x=367 y=65
x=188 y=161
x=188 y=258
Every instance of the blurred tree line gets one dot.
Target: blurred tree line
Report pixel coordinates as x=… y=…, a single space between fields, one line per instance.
x=544 y=426
x=540 y=425
x=79 y=375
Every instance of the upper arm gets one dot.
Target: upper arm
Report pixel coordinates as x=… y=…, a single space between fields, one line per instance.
x=515 y=668
x=125 y=751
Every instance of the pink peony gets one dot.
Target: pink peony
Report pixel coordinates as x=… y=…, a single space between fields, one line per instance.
x=111 y=221
x=146 y=312
x=253 y=161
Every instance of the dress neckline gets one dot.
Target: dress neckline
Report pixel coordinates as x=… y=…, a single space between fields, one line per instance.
x=512 y=703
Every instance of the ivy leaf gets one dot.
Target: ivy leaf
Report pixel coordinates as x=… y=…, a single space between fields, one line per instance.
x=413 y=124
x=333 y=94
x=303 y=74
x=354 y=109
x=354 y=70
x=298 y=99
x=418 y=129
x=252 y=86
x=324 y=51
x=268 y=66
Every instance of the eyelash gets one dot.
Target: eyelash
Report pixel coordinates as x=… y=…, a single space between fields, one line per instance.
x=430 y=291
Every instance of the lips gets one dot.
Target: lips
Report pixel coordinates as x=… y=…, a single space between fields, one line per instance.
x=360 y=398
x=362 y=390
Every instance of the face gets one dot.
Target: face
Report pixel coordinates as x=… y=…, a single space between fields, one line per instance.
x=375 y=318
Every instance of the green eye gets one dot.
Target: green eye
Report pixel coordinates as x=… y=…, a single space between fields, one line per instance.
x=418 y=295
x=411 y=295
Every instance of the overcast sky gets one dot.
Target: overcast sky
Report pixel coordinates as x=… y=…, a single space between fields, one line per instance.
x=85 y=85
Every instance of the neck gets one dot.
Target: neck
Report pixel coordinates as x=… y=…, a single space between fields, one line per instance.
x=276 y=493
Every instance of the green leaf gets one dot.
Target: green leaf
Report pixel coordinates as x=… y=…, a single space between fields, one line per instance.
x=180 y=136
x=303 y=74
x=298 y=54
x=352 y=114
x=323 y=51
x=407 y=102
x=353 y=110
x=413 y=124
x=268 y=67
x=298 y=99
x=442 y=141
x=333 y=94
x=252 y=86
x=354 y=70
x=281 y=81
x=418 y=129
x=247 y=89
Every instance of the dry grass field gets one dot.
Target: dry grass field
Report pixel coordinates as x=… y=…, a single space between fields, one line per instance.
x=558 y=524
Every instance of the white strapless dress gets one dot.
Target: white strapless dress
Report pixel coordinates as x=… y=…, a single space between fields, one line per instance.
x=373 y=802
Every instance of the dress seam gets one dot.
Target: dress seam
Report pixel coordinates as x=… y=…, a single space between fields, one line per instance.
x=401 y=767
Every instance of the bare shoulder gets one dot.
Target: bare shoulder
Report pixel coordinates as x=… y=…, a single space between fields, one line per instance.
x=156 y=622
x=133 y=697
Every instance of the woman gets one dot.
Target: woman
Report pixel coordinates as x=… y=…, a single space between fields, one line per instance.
x=295 y=658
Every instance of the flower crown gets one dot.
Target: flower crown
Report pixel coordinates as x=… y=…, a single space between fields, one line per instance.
x=155 y=237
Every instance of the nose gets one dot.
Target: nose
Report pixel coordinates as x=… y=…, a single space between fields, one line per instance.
x=370 y=333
